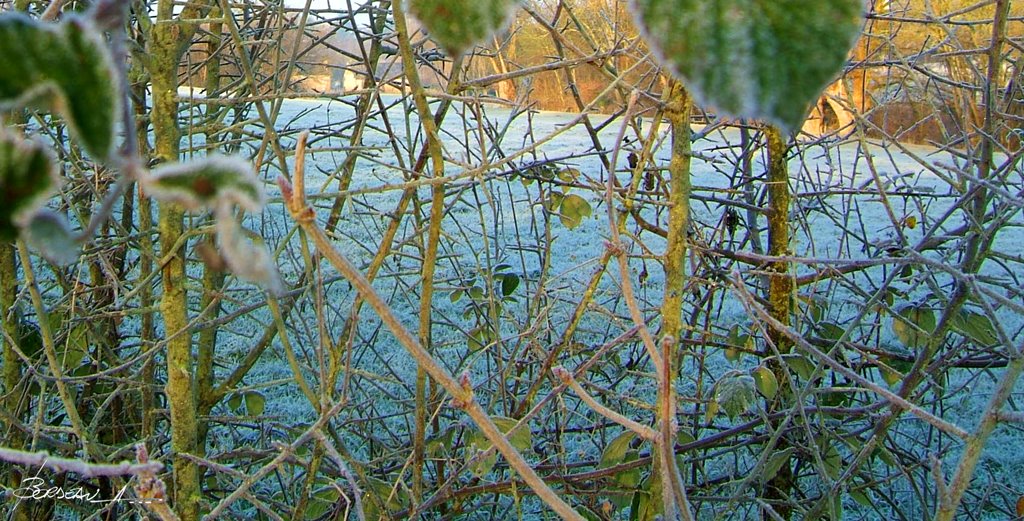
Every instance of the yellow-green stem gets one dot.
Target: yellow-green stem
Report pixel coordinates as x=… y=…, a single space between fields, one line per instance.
x=780 y=298
x=678 y=107
x=167 y=40
x=433 y=236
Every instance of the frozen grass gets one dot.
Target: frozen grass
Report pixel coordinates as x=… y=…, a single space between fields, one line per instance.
x=507 y=214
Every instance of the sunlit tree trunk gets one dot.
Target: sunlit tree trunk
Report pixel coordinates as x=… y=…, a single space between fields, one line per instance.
x=678 y=109
x=780 y=301
x=168 y=40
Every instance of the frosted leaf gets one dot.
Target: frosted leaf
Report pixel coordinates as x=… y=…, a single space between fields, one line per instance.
x=50 y=235
x=456 y=25
x=246 y=256
x=28 y=175
x=758 y=59
x=735 y=393
x=206 y=183
x=65 y=67
x=914 y=331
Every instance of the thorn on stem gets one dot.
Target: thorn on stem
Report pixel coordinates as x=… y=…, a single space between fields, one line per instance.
x=466 y=396
x=667 y=342
x=615 y=248
x=286 y=188
x=298 y=197
x=562 y=374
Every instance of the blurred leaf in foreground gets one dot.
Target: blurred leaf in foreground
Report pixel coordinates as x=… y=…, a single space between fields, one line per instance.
x=760 y=59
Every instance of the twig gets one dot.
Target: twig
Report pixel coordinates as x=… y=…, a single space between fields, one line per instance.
x=752 y=306
x=343 y=467
x=151 y=488
x=673 y=490
x=643 y=431
x=50 y=350
x=85 y=469
x=284 y=453
x=940 y=481
x=1011 y=416
x=461 y=391
x=53 y=10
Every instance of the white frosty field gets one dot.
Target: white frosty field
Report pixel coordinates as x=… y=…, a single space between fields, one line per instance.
x=503 y=217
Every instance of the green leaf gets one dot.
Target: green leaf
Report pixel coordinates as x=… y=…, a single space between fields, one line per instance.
x=830 y=331
x=775 y=463
x=711 y=411
x=737 y=339
x=509 y=283
x=733 y=355
x=438 y=447
x=573 y=209
x=477 y=442
x=456 y=295
x=456 y=25
x=890 y=375
x=379 y=493
x=49 y=234
x=766 y=382
x=800 y=365
x=916 y=327
x=207 y=183
x=833 y=461
x=735 y=393
x=976 y=327
x=484 y=466
x=837 y=507
x=67 y=65
x=75 y=347
x=322 y=502
x=569 y=175
x=521 y=439
x=481 y=337
x=907 y=271
x=235 y=402
x=684 y=438
x=28 y=176
x=862 y=497
x=255 y=403
x=762 y=59
x=646 y=504
x=554 y=201
x=616 y=450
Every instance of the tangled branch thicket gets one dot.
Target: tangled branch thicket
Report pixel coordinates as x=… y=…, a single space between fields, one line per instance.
x=628 y=307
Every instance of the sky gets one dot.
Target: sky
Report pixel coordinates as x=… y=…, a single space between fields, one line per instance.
x=324 y=4
x=329 y=4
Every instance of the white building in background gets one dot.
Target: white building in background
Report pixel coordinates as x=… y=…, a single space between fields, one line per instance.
x=350 y=81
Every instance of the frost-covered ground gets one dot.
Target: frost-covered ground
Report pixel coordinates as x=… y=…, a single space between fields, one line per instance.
x=501 y=215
